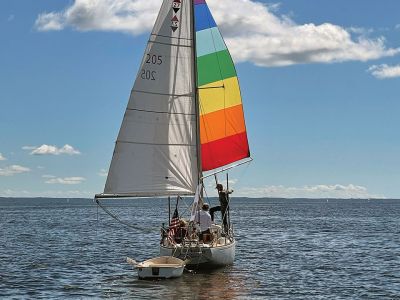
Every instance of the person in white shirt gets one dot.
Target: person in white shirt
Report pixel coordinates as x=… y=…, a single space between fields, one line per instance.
x=204 y=219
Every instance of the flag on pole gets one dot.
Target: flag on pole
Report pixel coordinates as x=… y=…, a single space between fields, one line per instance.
x=173 y=226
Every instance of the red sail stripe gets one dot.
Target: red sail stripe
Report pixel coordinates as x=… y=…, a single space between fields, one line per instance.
x=214 y=154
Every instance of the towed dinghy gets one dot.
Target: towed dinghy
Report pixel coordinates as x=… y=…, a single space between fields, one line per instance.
x=159 y=267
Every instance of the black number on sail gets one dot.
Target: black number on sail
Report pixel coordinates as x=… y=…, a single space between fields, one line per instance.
x=153 y=59
x=148 y=75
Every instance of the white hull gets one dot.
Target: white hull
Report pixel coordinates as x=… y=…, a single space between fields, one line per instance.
x=161 y=267
x=203 y=255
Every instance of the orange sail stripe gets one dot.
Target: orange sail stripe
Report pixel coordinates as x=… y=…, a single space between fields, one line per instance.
x=221 y=123
x=215 y=154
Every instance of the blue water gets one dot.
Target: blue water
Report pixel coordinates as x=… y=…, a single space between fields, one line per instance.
x=287 y=249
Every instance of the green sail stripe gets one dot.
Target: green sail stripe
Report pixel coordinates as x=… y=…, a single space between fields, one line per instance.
x=215 y=66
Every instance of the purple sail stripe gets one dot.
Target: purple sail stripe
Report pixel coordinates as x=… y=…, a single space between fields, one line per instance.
x=199 y=2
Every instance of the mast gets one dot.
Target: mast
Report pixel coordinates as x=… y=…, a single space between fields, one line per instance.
x=196 y=95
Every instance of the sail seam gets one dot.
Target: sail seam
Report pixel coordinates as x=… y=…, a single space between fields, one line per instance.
x=160 y=112
x=158 y=144
x=162 y=94
x=172 y=37
x=170 y=44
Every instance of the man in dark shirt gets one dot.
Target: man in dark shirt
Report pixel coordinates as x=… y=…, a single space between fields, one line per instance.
x=223 y=207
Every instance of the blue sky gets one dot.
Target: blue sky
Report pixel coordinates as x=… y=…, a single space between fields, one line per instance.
x=319 y=79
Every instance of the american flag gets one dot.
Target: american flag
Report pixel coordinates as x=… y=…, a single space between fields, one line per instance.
x=173 y=226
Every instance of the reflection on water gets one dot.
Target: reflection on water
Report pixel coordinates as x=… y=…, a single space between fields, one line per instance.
x=222 y=283
x=287 y=249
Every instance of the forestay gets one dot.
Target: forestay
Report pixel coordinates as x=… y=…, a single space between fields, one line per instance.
x=155 y=152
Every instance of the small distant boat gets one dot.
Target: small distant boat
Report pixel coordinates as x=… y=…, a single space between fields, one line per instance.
x=159 y=267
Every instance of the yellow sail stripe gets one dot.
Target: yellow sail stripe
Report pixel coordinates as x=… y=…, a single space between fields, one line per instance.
x=222 y=123
x=219 y=95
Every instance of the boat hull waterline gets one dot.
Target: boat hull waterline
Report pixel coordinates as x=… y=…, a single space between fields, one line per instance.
x=202 y=255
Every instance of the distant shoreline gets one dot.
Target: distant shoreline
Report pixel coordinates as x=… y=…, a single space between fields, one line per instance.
x=158 y=198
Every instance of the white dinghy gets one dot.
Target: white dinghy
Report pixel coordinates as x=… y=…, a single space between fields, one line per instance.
x=159 y=267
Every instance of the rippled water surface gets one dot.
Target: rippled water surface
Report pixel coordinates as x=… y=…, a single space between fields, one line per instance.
x=287 y=249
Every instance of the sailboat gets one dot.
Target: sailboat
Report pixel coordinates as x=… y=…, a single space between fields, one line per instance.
x=184 y=121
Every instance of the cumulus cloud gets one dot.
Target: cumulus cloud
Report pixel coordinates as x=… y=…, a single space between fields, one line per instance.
x=316 y=191
x=2 y=157
x=51 y=150
x=131 y=16
x=49 y=21
x=13 y=169
x=385 y=71
x=48 y=176
x=253 y=31
x=65 y=180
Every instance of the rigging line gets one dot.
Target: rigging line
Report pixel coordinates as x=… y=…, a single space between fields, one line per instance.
x=114 y=216
x=213 y=40
x=206 y=127
x=160 y=112
x=208 y=198
x=223 y=169
x=162 y=94
x=234 y=67
x=227 y=120
x=242 y=172
x=169 y=44
x=196 y=90
x=172 y=37
x=212 y=87
x=203 y=119
x=187 y=207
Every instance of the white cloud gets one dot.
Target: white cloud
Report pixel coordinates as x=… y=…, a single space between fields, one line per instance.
x=49 y=21
x=48 y=176
x=51 y=150
x=128 y=16
x=384 y=71
x=397 y=27
x=65 y=180
x=2 y=157
x=13 y=169
x=11 y=18
x=253 y=31
x=103 y=173
x=316 y=191
x=29 y=147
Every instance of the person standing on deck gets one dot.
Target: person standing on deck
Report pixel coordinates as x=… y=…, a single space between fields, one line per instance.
x=223 y=207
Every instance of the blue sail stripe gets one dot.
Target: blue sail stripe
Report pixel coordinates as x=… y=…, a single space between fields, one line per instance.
x=203 y=17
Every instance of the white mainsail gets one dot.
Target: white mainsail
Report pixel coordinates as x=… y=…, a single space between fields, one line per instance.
x=155 y=152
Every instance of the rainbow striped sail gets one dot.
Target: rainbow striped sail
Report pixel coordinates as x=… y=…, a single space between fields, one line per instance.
x=223 y=135
x=184 y=114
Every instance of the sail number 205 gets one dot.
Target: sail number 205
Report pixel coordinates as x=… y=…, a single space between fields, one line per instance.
x=153 y=60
